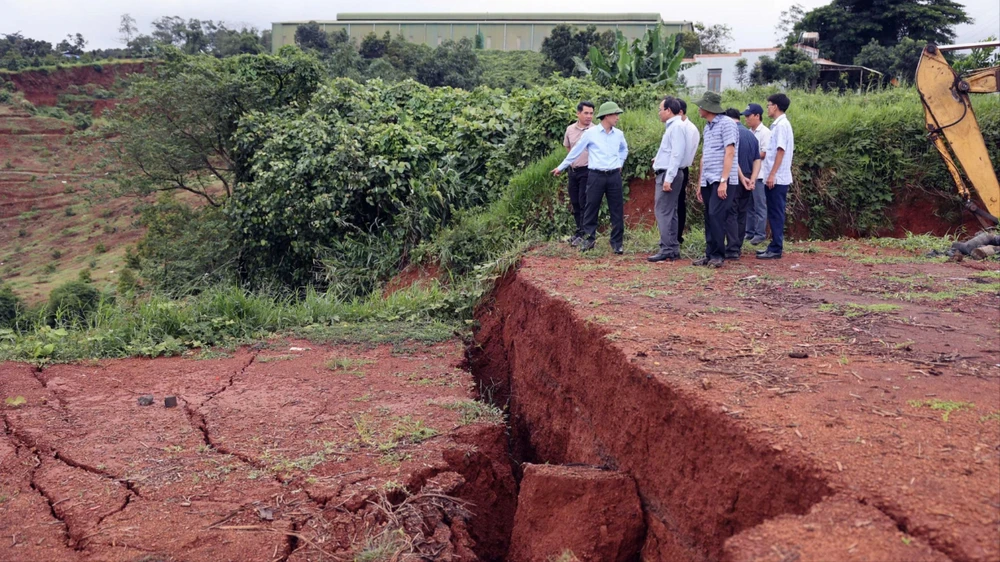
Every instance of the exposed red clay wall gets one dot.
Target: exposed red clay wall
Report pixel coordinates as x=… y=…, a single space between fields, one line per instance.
x=575 y=398
x=43 y=87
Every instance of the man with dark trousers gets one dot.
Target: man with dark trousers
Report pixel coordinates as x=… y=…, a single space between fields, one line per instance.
x=693 y=138
x=606 y=153
x=719 y=178
x=777 y=172
x=748 y=166
x=578 y=169
x=669 y=179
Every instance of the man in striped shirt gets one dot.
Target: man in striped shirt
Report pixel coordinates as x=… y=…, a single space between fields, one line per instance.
x=719 y=177
x=777 y=171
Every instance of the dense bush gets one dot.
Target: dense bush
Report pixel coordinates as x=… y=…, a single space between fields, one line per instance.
x=510 y=70
x=368 y=172
x=72 y=303
x=11 y=306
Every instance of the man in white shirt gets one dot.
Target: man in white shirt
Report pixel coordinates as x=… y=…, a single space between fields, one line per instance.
x=669 y=179
x=578 y=171
x=777 y=171
x=757 y=214
x=693 y=137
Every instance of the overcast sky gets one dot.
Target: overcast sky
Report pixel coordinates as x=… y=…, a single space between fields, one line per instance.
x=752 y=21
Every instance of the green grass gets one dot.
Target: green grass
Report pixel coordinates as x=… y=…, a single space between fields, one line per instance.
x=945 y=406
x=472 y=411
x=854 y=310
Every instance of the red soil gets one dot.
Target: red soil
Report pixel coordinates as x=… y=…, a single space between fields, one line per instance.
x=421 y=275
x=593 y=513
x=681 y=378
x=269 y=455
x=44 y=87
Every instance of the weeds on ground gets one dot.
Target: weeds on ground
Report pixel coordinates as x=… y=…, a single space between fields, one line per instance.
x=854 y=310
x=564 y=556
x=347 y=365
x=945 y=406
x=472 y=411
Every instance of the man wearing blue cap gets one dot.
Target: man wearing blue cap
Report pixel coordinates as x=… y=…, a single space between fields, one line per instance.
x=757 y=213
x=606 y=153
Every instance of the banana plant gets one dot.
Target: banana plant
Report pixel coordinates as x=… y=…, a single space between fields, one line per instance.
x=653 y=58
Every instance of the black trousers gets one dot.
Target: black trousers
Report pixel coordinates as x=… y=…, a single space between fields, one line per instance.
x=736 y=220
x=682 y=210
x=578 y=195
x=716 y=210
x=599 y=185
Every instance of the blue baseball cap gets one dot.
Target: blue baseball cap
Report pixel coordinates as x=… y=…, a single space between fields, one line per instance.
x=753 y=109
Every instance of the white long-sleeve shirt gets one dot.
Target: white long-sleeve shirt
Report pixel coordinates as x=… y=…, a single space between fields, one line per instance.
x=693 y=136
x=673 y=148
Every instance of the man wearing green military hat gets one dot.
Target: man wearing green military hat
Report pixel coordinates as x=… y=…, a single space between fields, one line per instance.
x=607 y=151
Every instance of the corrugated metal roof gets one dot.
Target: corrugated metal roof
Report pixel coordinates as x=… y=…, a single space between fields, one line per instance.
x=646 y=18
x=487 y=16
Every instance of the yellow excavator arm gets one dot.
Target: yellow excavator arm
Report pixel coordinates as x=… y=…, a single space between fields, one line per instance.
x=952 y=124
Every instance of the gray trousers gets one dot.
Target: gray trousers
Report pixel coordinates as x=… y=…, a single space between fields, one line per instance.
x=665 y=209
x=757 y=213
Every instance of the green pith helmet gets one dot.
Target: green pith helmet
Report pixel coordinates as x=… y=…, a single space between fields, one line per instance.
x=711 y=102
x=609 y=108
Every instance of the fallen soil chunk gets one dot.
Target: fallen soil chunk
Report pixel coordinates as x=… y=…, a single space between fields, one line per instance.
x=594 y=514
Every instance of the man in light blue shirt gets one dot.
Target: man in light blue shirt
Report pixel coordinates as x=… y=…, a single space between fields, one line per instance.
x=777 y=171
x=606 y=153
x=669 y=179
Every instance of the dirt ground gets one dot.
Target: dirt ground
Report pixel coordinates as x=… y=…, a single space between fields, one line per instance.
x=842 y=375
x=290 y=451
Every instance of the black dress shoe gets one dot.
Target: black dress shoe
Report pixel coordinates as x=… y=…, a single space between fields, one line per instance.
x=732 y=256
x=700 y=261
x=662 y=257
x=769 y=256
x=575 y=241
x=716 y=263
x=586 y=245
x=619 y=250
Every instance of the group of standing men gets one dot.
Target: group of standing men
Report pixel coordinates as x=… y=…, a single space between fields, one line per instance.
x=744 y=176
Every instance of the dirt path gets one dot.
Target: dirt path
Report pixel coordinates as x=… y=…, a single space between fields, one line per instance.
x=858 y=385
x=290 y=452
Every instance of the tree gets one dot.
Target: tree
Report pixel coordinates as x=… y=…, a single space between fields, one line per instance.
x=310 y=36
x=372 y=47
x=653 y=58
x=706 y=39
x=978 y=58
x=846 y=26
x=790 y=65
x=898 y=62
x=72 y=45
x=785 y=29
x=566 y=42
x=128 y=29
x=741 y=72
x=452 y=63
x=177 y=134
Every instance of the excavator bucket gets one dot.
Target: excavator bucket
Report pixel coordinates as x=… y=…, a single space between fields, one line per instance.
x=951 y=124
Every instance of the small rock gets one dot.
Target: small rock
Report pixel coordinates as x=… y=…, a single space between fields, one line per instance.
x=146 y=400
x=265 y=513
x=170 y=402
x=706 y=384
x=798 y=355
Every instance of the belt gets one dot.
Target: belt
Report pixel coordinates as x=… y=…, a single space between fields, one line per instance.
x=658 y=172
x=604 y=172
x=575 y=168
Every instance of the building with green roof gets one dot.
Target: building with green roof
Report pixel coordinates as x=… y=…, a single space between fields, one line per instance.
x=506 y=32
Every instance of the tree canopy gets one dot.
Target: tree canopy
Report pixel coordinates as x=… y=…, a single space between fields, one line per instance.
x=845 y=27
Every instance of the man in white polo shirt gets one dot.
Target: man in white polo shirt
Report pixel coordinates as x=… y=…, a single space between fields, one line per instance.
x=777 y=173
x=757 y=217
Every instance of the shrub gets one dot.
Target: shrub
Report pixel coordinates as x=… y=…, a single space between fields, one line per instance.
x=56 y=254
x=72 y=302
x=100 y=248
x=82 y=121
x=11 y=306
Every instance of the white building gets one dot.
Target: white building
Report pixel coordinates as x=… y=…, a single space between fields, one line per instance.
x=717 y=72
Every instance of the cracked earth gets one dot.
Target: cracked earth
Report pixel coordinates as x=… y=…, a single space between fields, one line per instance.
x=274 y=454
